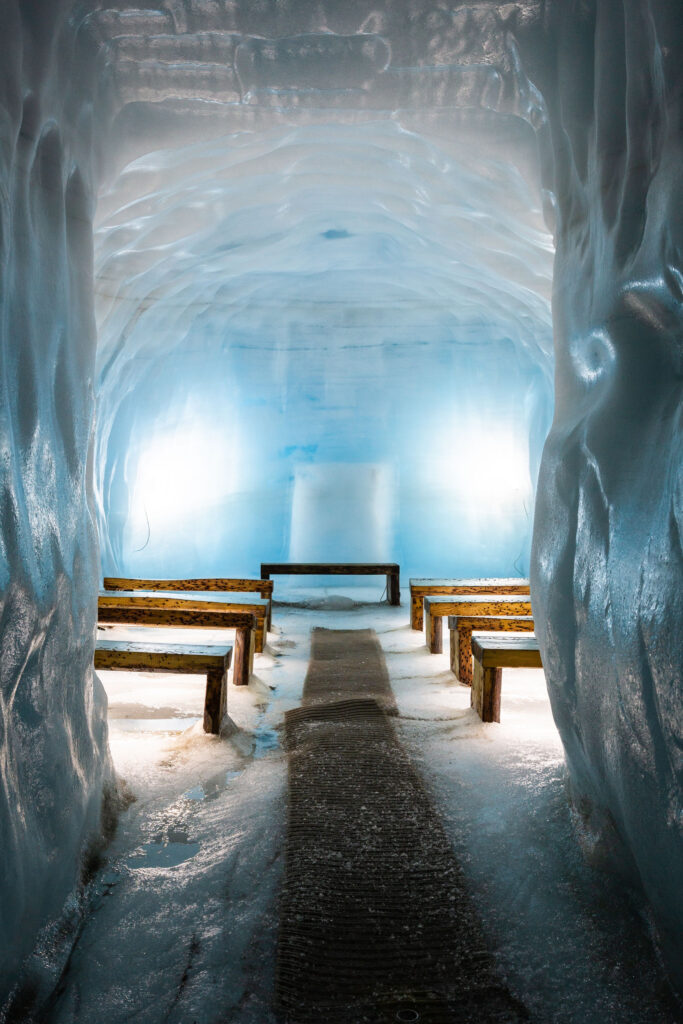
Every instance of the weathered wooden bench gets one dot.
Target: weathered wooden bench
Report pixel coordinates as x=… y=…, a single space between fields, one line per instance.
x=213 y=662
x=250 y=603
x=117 y=609
x=461 y=628
x=492 y=653
x=218 y=584
x=438 y=606
x=421 y=588
x=389 y=569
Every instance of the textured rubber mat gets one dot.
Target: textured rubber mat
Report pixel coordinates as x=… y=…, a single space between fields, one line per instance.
x=345 y=664
x=376 y=924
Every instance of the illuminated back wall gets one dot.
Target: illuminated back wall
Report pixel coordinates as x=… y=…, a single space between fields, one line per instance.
x=329 y=342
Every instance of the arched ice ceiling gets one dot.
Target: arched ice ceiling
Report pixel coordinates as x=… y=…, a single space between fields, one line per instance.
x=319 y=241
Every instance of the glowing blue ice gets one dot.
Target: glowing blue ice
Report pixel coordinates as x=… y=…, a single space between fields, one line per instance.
x=327 y=342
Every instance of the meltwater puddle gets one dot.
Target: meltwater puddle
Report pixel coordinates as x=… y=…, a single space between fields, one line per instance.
x=211 y=789
x=175 y=841
x=163 y=855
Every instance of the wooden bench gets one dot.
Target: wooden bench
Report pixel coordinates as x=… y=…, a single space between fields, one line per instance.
x=256 y=606
x=117 y=609
x=492 y=653
x=436 y=607
x=461 y=627
x=389 y=569
x=213 y=662
x=218 y=584
x=421 y=588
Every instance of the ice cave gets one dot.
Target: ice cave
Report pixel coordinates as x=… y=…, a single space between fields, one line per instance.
x=345 y=319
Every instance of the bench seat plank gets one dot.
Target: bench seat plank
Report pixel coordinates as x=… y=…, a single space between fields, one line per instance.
x=212 y=584
x=461 y=628
x=250 y=603
x=421 y=588
x=389 y=569
x=438 y=606
x=214 y=616
x=213 y=662
x=329 y=568
x=492 y=653
x=512 y=651
x=218 y=584
x=174 y=657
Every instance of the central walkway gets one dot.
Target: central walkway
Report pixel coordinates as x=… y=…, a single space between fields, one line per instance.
x=376 y=924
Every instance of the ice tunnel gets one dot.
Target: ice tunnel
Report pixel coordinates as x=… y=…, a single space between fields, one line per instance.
x=322 y=299
x=341 y=282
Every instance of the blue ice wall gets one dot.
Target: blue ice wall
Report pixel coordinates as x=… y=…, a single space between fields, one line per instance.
x=53 y=754
x=607 y=571
x=323 y=341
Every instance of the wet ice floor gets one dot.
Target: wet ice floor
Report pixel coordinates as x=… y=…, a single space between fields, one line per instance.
x=182 y=920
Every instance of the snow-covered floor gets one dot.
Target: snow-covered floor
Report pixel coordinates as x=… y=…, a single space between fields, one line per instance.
x=182 y=925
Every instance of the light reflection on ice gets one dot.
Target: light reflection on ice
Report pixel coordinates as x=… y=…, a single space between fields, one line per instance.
x=167 y=725
x=163 y=855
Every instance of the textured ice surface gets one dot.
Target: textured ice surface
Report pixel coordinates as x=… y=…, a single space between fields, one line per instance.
x=53 y=757
x=607 y=579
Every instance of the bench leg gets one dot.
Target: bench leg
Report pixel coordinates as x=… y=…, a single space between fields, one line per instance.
x=464 y=671
x=215 y=701
x=252 y=649
x=416 y=612
x=486 y=689
x=242 y=656
x=434 y=630
x=260 y=636
x=394 y=589
x=269 y=620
